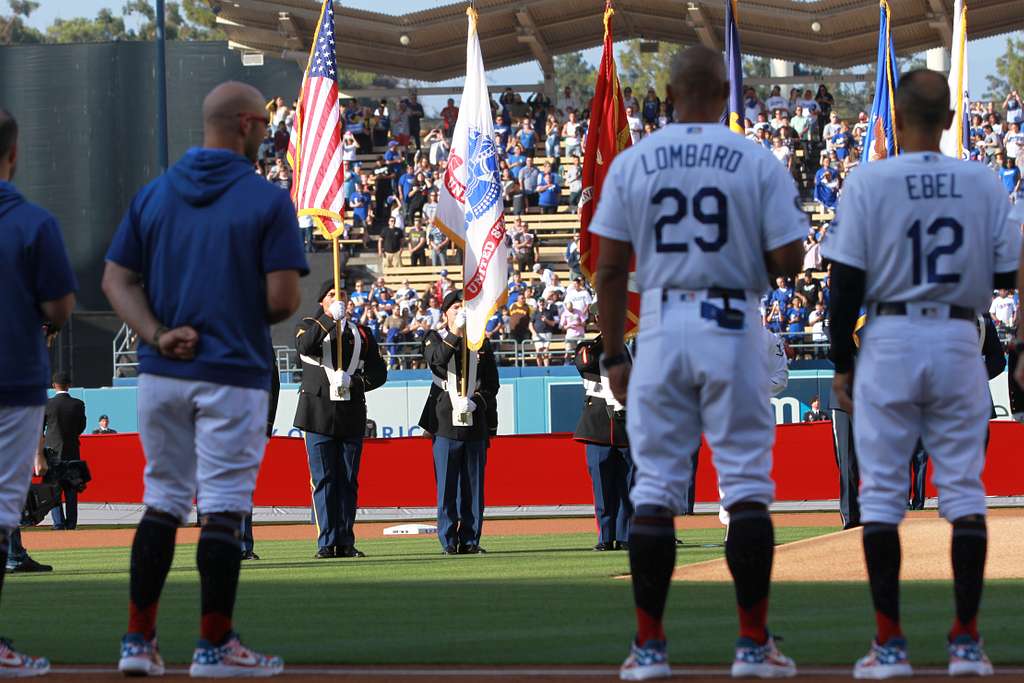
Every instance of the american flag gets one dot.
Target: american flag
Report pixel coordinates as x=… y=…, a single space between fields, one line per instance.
x=314 y=150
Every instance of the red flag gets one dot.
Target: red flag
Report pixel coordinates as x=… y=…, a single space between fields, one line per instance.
x=607 y=135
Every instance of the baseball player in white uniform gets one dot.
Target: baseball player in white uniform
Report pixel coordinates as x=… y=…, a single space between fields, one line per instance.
x=774 y=350
x=922 y=239
x=705 y=212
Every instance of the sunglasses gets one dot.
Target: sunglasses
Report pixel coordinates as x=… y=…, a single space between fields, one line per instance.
x=262 y=118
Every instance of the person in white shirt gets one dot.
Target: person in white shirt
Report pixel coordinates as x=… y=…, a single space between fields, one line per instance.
x=1004 y=310
x=547 y=276
x=832 y=129
x=1013 y=141
x=751 y=104
x=782 y=153
x=776 y=101
x=571 y=136
x=635 y=126
x=861 y=127
x=580 y=297
x=629 y=101
x=809 y=104
x=567 y=102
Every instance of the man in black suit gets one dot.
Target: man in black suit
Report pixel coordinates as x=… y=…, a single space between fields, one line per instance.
x=65 y=422
x=332 y=412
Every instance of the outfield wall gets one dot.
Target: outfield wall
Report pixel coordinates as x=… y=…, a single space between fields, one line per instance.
x=531 y=401
x=529 y=470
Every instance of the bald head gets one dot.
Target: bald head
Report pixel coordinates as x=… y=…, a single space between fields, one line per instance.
x=697 y=71
x=922 y=99
x=223 y=105
x=234 y=118
x=697 y=80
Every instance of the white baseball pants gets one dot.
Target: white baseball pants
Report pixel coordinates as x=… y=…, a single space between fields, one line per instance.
x=20 y=429
x=920 y=377
x=200 y=435
x=692 y=376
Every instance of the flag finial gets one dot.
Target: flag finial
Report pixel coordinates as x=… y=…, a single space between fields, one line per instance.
x=473 y=14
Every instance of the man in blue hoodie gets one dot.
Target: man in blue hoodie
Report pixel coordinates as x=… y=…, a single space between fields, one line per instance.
x=39 y=293
x=207 y=257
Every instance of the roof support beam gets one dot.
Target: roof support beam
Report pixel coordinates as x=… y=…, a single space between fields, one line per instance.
x=942 y=21
x=286 y=25
x=529 y=34
x=697 y=19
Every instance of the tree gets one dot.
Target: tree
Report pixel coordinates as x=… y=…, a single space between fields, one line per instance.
x=103 y=29
x=572 y=71
x=643 y=70
x=1009 y=71
x=198 y=22
x=13 y=30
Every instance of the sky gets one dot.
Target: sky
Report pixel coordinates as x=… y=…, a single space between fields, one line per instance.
x=982 y=54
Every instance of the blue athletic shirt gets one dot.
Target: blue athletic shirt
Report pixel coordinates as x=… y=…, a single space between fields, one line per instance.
x=204 y=236
x=33 y=268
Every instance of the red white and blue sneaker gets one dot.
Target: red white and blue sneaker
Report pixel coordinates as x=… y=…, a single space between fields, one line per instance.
x=967 y=657
x=884 y=661
x=761 y=661
x=232 y=659
x=140 y=657
x=14 y=664
x=646 y=662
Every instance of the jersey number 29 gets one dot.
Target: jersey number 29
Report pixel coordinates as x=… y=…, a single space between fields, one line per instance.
x=719 y=217
x=931 y=259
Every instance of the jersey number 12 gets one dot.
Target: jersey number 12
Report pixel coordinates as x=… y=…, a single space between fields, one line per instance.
x=931 y=259
x=719 y=218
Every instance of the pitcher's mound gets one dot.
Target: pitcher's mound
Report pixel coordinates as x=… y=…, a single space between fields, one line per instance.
x=840 y=556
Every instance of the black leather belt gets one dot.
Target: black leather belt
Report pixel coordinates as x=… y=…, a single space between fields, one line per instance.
x=714 y=293
x=900 y=308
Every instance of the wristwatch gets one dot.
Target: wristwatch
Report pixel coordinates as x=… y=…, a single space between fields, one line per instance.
x=612 y=361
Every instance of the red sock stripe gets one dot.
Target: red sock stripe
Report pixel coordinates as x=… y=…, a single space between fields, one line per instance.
x=960 y=628
x=142 y=620
x=754 y=622
x=647 y=627
x=215 y=628
x=887 y=628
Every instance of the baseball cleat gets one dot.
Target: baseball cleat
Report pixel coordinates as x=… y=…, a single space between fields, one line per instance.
x=14 y=664
x=140 y=657
x=884 y=661
x=967 y=658
x=232 y=660
x=761 y=661
x=646 y=662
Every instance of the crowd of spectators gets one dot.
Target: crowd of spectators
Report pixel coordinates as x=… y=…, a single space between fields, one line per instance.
x=392 y=196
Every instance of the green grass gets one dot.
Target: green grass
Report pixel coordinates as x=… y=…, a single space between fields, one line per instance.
x=531 y=600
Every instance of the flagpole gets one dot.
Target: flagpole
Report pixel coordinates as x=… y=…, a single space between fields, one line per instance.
x=473 y=15
x=338 y=324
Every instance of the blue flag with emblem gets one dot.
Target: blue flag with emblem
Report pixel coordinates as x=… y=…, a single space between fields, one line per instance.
x=880 y=138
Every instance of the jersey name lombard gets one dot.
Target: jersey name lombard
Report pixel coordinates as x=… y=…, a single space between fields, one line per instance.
x=700 y=205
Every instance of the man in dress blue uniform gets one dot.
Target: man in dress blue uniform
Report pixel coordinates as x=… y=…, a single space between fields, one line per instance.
x=463 y=426
x=208 y=256
x=602 y=427
x=335 y=427
x=38 y=287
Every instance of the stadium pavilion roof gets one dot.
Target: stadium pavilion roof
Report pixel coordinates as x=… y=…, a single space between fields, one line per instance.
x=516 y=31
